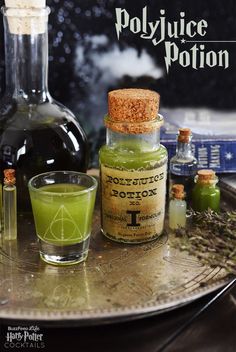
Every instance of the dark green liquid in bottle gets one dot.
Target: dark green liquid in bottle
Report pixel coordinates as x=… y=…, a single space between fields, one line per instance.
x=34 y=147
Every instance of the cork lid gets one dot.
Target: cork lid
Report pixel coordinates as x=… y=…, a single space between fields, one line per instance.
x=9 y=177
x=133 y=110
x=26 y=16
x=184 y=135
x=25 y=4
x=206 y=176
x=178 y=191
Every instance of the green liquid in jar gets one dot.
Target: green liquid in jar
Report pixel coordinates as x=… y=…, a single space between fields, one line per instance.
x=133 y=190
x=206 y=196
x=61 y=216
x=132 y=155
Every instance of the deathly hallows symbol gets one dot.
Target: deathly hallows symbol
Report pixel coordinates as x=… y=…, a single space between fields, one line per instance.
x=62 y=227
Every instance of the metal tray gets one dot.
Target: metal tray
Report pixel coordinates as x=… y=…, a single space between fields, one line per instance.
x=117 y=282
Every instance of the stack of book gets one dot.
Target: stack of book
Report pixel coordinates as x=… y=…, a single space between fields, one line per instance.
x=214 y=136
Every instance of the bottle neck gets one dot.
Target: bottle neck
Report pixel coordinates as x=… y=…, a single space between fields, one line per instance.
x=145 y=142
x=26 y=59
x=9 y=187
x=177 y=199
x=184 y=149
x=212 y=184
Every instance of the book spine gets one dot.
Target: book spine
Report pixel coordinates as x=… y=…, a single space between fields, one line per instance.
x=217 y=155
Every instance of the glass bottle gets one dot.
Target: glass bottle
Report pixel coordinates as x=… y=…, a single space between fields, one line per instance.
x=9 y=205
x=37 y=134
x=206 y=195
x=177 y=207
x=133 y=166
x=183 y=166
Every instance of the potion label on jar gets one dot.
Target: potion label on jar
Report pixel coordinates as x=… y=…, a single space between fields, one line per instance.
x=133 y=203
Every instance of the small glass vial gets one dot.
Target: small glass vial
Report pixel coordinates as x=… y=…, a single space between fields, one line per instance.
x=133 y=167
x=177 y=207
x=9 y=205
x=183 y=166
x=1 y=210
x=206 y=195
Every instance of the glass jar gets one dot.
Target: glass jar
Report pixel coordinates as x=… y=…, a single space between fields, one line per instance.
x=37 y=134
x=183 y=165
x=206 y=195
x=177 y=207
x=133 y=180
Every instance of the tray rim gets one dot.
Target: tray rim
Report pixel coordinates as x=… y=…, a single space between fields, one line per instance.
x=79 y=317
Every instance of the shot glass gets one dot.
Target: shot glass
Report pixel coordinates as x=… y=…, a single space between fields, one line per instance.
x=63 y=204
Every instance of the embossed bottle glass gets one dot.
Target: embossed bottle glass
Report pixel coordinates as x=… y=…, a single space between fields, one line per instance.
x=133 y=168
x=37 y=134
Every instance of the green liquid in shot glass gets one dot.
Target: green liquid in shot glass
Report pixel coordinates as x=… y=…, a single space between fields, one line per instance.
x=63 y=217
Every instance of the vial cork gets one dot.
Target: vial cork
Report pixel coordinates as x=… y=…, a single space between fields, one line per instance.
x=9 y=177
x=178 y=191
x=184 y=135
x=206 y=176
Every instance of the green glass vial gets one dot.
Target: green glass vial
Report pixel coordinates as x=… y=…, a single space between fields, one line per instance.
x=206 y=195
x=133 y=166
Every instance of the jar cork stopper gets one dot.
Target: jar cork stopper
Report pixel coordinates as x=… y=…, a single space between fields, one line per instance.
x=178 y=191
x=133 y=111
x=184 y=135
x=26 y=16
x=206 y=176
x=9 y=177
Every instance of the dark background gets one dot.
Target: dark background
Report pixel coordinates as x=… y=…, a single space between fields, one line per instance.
x=87 y=60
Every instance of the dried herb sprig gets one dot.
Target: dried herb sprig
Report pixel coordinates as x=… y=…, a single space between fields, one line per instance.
x=212 y=238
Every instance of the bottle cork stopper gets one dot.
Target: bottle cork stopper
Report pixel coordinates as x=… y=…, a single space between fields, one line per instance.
x=9 y=177
x=184 y=135
x=133 y=110
x=178 y=191
x=25 y=17
x=25 y=4
x=206 y=176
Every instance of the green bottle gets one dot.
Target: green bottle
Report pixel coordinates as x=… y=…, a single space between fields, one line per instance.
x=206 y=195
x=133 y=167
